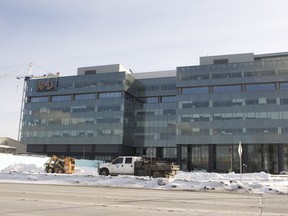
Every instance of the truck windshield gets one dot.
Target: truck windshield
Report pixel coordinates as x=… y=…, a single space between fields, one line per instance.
x=118 y=161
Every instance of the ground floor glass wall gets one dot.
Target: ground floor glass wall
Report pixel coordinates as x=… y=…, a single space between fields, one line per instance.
x=195 y=157
x=270 y=158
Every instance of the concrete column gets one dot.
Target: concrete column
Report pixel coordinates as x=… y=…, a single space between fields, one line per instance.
x=212 y=157
x=179 y=155
x=280 y=157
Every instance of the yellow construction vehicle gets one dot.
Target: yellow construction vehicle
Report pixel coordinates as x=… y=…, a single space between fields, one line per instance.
x=60 y=165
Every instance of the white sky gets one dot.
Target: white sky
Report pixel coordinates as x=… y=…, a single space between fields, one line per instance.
x=144 y=35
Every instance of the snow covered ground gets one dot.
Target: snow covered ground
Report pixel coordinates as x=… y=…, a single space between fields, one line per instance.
x=31 y=170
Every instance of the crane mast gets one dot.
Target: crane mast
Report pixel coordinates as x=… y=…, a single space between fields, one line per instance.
x=26 y=78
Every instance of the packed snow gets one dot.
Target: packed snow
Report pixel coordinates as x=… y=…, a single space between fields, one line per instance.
x=31 y=170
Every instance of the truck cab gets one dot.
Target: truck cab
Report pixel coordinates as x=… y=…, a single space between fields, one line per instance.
x=123 y=165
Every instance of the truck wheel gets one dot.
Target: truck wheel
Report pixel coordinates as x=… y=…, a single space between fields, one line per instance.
x=50 y=170
x=59 y=171
x=157 y=174
x=104 y=172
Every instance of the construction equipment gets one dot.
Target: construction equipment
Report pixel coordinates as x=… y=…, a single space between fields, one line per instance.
x=60 y=165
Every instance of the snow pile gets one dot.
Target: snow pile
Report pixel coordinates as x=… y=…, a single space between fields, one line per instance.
x=20 y=168
x=194 y=181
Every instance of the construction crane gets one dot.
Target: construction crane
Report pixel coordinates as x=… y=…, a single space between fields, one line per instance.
x=29 y=74
x=26 y=77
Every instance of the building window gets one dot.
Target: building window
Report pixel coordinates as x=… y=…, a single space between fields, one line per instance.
x=260 y=87
x=169 y=112
x=109 y=120
x=90 y=72
x=39 y=99
x=226 y=131
x=230 y=88
x=195 y=118
x=171 y=86
x=149 y=100
x=221 y=61
x=259 y=73
x=152 y=88
x=283 y=101
x=283 y=72
x=195 y=90
x=251 y=102
x=185 y=76
x=168 y=136
x=261 y=131
x=271 y=101
x=284 y=86
x=104 y=95
x=227 y=116
x=194 y=132
x=81 y=109
x=196 y=104
x=222 y=103
x=103 y=108
x=85 y=97
x=168 y=99
x=169 y=153
x=61 y=98
x=226 y=75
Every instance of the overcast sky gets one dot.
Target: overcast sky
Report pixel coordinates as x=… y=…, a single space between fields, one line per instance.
x=144 y=35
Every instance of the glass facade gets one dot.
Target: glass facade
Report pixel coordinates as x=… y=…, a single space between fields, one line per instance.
x=195 y=117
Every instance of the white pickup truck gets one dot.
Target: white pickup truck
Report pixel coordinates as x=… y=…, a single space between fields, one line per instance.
x=132 y=165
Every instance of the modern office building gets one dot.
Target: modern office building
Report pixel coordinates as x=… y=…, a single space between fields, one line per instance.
x=195 y=115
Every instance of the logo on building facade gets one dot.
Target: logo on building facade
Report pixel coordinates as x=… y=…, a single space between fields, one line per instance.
x=47 y=85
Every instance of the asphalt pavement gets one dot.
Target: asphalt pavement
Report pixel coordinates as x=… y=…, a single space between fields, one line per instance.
x=44 y=200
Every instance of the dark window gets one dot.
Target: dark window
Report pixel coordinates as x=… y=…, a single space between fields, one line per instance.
x=251 y=102
x=271 y=101
x=221 y=61
x=222 y=103
x=283 y=100
x=90 y=72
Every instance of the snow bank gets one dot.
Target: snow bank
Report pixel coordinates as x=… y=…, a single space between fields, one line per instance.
x=7 y=160
x=29 y=170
